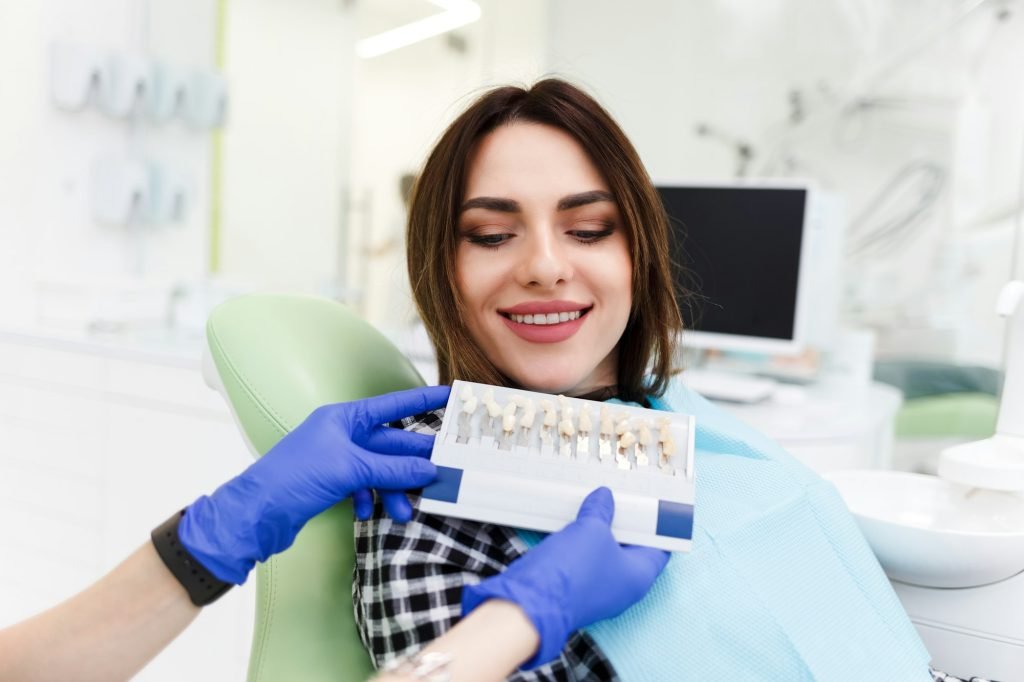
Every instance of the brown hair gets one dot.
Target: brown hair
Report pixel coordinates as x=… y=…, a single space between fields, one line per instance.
x=646 y=346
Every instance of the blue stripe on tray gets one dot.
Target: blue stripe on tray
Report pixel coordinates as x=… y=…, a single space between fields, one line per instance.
x=446 y=487
x=675 y=519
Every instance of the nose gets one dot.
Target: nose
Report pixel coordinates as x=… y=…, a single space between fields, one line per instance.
x=545 y=262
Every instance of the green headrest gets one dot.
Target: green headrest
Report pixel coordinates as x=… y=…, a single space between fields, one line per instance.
x=280 y=357
x=276 y=359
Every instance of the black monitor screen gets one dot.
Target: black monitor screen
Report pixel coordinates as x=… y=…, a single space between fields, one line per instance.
x=737 y=257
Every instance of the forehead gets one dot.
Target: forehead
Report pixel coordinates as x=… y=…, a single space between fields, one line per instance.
x=530 y=162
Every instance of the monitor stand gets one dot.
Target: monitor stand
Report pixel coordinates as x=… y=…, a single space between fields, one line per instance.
x=729 y=387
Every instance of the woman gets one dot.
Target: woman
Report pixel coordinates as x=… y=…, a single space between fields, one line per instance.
x=538 y=257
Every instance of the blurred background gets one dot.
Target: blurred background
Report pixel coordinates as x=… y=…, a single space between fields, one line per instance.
x=160 y=156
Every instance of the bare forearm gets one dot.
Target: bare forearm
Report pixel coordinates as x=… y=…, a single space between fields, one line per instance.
x=108 y=632
x=487 y=645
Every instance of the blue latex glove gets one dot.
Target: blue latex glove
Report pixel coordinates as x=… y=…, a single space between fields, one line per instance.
x=573 y=578
x=338 y=450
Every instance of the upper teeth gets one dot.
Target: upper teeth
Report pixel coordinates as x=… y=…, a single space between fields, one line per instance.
x=550 y=318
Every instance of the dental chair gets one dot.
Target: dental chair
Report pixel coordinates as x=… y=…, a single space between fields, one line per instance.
x=274 y=359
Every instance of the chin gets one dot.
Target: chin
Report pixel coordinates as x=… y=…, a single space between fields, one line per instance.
x=553 y=382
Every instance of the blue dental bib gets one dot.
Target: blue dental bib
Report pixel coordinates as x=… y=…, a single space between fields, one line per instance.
x=780 y=583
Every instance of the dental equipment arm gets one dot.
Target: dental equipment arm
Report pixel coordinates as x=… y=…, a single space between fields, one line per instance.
x=997 y=463
x=113 y=628
x=572 y=579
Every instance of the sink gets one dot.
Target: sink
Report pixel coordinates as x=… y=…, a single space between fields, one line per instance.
x=932 y=532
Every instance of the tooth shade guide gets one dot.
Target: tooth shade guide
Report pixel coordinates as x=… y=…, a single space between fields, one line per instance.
x=521 y=460
x=583 y=445
x=567 y=430
x=465 y=417
x=642 y=457
x=585 y=423
x=668 y=448
x=583 y=435
x=493 y=408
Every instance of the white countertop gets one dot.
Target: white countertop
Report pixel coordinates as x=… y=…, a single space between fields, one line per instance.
x=821 y=412
x=162 y=347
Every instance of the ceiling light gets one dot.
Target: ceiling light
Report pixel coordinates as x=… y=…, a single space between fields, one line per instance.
x=457 y=13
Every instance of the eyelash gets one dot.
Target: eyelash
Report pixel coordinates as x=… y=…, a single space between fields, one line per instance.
x=584 y=237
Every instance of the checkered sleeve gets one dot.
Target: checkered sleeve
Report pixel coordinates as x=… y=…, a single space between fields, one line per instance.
x=939 y=676
x=407 y=587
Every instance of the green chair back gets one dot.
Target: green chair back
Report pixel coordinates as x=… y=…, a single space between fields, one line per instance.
x=277 y=359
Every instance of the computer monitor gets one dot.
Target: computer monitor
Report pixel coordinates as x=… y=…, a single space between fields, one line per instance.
x=742 y=255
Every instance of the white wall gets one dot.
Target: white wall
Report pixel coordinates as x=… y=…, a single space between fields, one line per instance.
x=284 y=162
x=662 y=67
x=286 y=144
x=47 y=232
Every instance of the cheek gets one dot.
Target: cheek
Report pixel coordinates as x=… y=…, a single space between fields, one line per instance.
x=471 y=284
x=619 y=275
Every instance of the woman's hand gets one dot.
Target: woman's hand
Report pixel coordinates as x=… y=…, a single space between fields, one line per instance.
x=575 y=577
x=338 y=450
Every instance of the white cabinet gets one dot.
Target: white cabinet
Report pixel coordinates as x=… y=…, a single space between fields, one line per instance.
x=99 y=443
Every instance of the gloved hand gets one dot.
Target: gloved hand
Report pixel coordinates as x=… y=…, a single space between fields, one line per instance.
x=338 y=450
x=573 y=578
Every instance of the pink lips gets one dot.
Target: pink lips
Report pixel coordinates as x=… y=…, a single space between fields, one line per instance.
x=545 y=333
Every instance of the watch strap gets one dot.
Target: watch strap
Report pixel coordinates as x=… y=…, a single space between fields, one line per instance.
x=202 y=586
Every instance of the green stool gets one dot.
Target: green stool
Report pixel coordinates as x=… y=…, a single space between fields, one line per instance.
x=276 y=359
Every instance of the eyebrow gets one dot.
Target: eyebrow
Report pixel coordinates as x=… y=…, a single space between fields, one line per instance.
x=584 y=198
x=564 y=204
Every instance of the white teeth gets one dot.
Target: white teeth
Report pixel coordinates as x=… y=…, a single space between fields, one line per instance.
x=550 y=318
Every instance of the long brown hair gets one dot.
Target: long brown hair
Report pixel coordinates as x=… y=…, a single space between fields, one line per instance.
x=646 y=346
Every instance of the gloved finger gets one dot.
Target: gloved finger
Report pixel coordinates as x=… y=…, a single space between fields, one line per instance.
x=393 y=406
x=389 y=441
x=647 y=562
x=599 y=505
x=394 y=472
x=362 y=504
x=396 y=504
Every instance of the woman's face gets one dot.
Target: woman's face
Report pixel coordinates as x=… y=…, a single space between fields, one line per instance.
x=541 y=240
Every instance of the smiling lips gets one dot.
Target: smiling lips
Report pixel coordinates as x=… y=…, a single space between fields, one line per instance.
x=545 y=322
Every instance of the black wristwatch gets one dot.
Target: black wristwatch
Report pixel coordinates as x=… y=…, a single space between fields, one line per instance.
x=202 y=586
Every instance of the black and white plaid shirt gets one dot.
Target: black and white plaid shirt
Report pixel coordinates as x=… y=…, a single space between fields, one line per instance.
x=407 y=588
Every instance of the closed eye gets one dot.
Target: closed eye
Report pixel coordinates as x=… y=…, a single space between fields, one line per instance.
x=592 y=236
x=490 y=241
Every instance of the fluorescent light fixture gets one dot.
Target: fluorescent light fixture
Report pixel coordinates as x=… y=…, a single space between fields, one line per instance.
x=457 y=13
